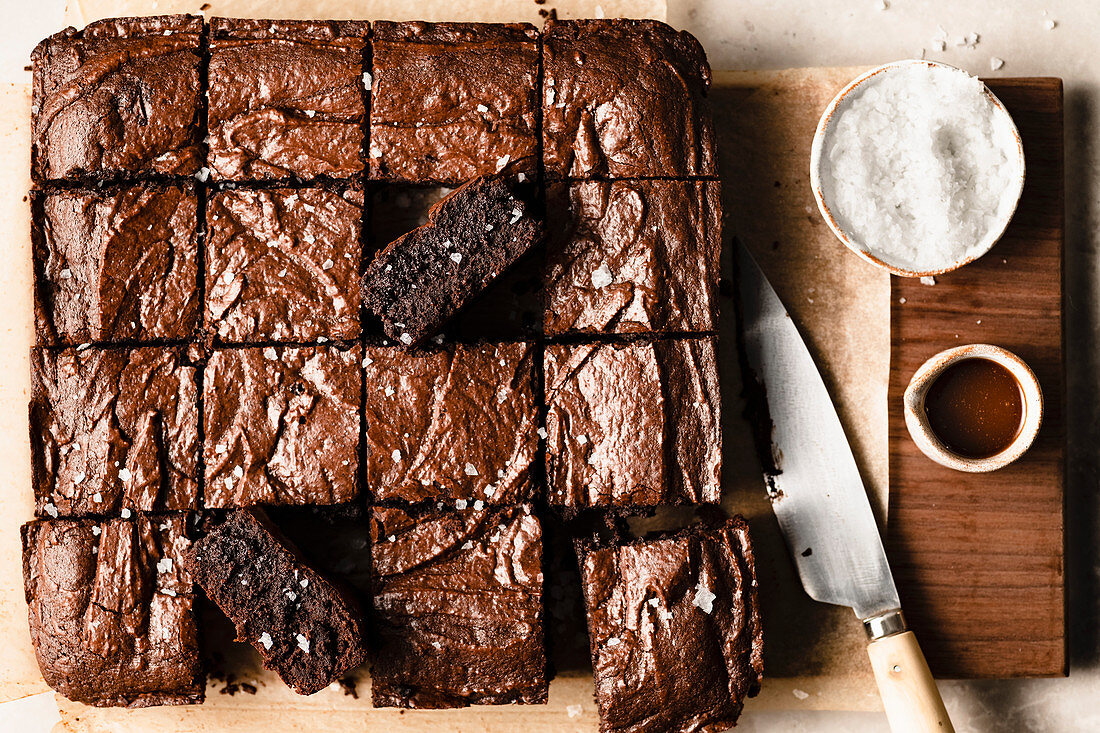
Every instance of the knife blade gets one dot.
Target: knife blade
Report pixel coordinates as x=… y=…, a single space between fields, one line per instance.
x=819 y=498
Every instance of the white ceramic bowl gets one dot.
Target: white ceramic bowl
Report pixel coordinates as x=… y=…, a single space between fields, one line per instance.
x=818 y=159
x=917 y=420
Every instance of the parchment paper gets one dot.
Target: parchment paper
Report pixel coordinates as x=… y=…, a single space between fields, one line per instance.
x=765 y=122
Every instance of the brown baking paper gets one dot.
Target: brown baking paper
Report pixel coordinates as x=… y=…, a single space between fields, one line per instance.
x=814 y=657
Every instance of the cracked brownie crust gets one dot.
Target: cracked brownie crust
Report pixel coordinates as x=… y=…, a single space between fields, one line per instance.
x=283 y=264
x=113 y=429
x=286 y=99
x=281 y=425
x=111 y=612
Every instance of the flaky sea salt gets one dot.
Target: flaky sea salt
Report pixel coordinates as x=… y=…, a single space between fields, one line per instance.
x=265 y=639
x=704 y=598
x=920 y=167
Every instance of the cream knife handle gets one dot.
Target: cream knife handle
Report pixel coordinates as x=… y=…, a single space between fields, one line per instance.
x=909 y=694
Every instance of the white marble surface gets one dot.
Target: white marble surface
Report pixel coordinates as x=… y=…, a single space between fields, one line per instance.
x=768 y=34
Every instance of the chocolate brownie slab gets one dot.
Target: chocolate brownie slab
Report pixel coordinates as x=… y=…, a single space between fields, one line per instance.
x=625 y=99
x=120 y=97
x=287 y=99
x=675 y=629
x=306 y=629
x=633 y=424
x=457 y=608
x=452 y=101
x=281 y=425
x=113 y=429
x=633 y=256
x=283 y=264
x=454 y=423
x=116 y=264
x=473 y=234
x=111 y=613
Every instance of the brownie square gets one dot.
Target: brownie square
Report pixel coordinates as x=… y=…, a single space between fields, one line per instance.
x=116 y=264
x=633 y=256
x=112 y=617
x=420 y=280
x=113 y=429
x=306 y=629
x=457 y=608
x=281 y=425
x=633 y=424
x=675 y=629
x=451 y=424
x=625 y=99
x=283 y=264
x=287 y=99
x=451 y=101
x=119 y=97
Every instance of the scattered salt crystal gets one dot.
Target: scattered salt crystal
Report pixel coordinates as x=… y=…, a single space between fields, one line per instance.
x=801 y=695
x=303 y=582
x=479 y=505
x=503 y=161
x=96 y=530
x=460 y=503
x=303 y=643
x=437 y=645
x=467 y=545
x=79 y=478
x=573 y=711
x=169 y=592
x=125 y=513
x=881 y=5
x=368 y=80
x=164 y=565
x=582 y=439
x=456 y=256
x=654 y=602
x=521 y=177
x=51 y=510
x=291 y=596
x=928 y=280
x=327 y=264
x=614 y=641
x=996 y=64
x=1050 y=24
x=704 y=599
x=265 y=639
x=542 y=433
x=65 y=274
x=903 y=301
x=221 y=447
x=367 y=361
x=270 y=355
x=125 y=475
x=602 y=276
x=406 y=339
x=396 y=454
x=392 y=538
x=238 y=471
x=227 y=277
x=97 y=497
x=471 y=470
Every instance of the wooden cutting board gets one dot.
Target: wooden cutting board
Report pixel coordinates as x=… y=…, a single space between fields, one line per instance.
x=979 y=558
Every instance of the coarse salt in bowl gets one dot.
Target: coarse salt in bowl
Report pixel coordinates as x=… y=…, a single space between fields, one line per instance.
x=917 y=167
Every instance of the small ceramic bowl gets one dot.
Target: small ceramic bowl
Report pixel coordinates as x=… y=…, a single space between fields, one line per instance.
x=818 y=158
x=917 y=420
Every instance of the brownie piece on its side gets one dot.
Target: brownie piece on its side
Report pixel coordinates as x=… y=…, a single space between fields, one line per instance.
x=635 y=424
x=473 y=234
x=633 y=256
x=119 y=97
x=287 y=99
x=625 y=99
x=306 y=629
x=457 y=608
x=452 y=101
x=116 y=264
x=455 y=423
x=111 y=611
x=113 y=429
x=283 y=264
x=281 y=425
x=675 y=629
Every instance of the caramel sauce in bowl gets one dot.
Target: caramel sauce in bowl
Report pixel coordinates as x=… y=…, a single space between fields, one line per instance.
x=974 y=408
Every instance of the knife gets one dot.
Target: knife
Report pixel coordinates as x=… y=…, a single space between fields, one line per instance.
x=820 y=501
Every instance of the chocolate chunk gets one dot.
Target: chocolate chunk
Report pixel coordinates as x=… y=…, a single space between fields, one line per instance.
x=457 y=608
x=625 y=99
x=456 y=423
x=116 y=264
x=119 y=97
x=283 y=264
x=473 y=234
x=112 y=617
x=286 y=99
x=633 y=256
x=281 y=425
x=635 y=424
x=113 y=429
x=452 y=101
x=675 y=629
x=306 y=629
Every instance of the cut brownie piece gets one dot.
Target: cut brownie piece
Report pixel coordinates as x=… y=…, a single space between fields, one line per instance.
x=111 y=613
x=452 y=101
x=424 y=277
x=633 y=256
x=306 y=629
x=457 y=608
x=283 y=264
x=675 y=629
x=119 y=97
x=455 y=423
x=625 y=99
x=287 y=98
x=113 y=428
x=116 y=264
x=281 y=425
x=633 y=424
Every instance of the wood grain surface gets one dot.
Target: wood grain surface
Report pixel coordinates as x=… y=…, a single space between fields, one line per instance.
x=979 y=558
